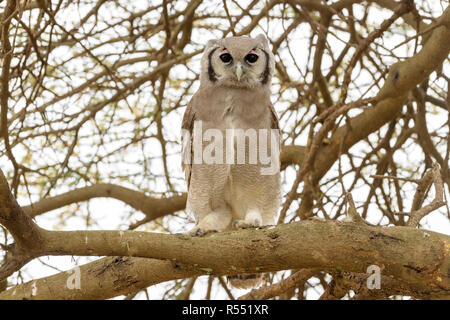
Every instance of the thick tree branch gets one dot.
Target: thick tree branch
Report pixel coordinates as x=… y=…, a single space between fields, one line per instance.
x=25 y=232
x=402 y=78
x=418 y=258
x=102 y=279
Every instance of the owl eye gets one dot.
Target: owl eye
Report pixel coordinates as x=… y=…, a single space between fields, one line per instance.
x=226 y=57
x=251 y=58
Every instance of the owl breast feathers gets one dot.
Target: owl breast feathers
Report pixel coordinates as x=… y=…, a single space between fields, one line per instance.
x=230 y=138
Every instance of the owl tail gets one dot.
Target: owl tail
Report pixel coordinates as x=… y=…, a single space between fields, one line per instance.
x=245 y=281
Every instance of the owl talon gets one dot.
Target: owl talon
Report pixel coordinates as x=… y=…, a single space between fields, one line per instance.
x=199 y=232
x=195 y=232
x=242 y=224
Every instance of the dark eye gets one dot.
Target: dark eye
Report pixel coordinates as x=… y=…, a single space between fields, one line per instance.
x=251 y=58
x=226 y=57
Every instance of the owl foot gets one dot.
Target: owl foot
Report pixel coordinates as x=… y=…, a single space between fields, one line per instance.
x=243 y=224
x=199 y=232
x=315 y=218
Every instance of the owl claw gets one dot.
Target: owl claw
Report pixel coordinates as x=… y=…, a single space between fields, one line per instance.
x=196 y=232
x=199 y=232
x=242 y=224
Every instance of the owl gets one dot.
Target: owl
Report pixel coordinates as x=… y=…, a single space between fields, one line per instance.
x=230 y=141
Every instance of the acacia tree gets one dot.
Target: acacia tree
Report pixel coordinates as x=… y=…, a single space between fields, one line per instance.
x=92 y=94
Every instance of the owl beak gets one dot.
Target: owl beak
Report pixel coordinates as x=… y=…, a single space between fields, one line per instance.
x=239 y=71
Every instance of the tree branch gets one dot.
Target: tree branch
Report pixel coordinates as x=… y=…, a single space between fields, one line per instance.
x=437 y=202
x=416 y=257
x=402 y=77
x=150 y=206
x=278 y=288
x=25 y=232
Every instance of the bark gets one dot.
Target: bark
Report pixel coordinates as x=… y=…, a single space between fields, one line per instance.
x=417 y=259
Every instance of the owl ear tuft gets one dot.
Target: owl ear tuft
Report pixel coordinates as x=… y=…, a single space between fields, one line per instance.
x=211 y=43
x=261 y=38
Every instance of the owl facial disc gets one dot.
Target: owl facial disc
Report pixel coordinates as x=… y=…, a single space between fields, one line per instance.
x=237 y=62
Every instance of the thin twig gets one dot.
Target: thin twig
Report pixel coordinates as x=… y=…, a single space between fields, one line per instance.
x=278 y=288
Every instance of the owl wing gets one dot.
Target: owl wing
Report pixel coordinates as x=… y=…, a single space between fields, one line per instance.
x=187 y=127
x=274 y=124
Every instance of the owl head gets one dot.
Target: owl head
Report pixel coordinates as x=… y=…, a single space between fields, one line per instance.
x=241 y=62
